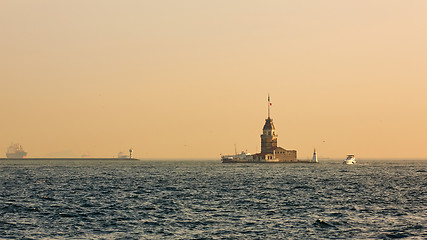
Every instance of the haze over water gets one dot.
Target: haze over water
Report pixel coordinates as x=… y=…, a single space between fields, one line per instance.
x=98 y=77
x=210 y=200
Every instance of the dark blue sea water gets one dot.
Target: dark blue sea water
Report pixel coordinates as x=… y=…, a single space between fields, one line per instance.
x=211 y=200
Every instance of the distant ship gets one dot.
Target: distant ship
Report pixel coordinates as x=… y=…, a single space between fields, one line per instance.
x=15 y=151
x=314 y=160
x=350 y=159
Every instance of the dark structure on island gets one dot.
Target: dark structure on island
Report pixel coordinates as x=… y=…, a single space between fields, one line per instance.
x=269 y=148
x=270 y=152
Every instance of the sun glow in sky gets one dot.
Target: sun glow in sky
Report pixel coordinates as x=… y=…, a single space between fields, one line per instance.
x=189 y=79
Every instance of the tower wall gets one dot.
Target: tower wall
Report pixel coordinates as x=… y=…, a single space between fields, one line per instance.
x=268 y=143
x=284 y=155
x=268 y=137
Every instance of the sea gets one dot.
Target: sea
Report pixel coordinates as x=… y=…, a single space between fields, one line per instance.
x=206 y=199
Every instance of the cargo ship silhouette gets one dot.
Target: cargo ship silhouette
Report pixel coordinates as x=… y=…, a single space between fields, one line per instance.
x=15 y=151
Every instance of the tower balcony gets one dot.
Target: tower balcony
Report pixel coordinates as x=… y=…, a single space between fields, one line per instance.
x=274 y=136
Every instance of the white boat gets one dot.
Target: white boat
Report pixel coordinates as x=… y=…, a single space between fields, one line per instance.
x=350 y=159
x=242 y=157
x=314 y=160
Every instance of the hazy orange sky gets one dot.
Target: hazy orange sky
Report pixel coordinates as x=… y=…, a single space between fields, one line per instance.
x=189 y=79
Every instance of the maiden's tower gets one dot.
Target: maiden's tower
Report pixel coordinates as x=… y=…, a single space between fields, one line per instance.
x=270 y=152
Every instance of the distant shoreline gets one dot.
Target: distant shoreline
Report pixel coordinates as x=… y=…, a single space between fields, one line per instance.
x=72 y=159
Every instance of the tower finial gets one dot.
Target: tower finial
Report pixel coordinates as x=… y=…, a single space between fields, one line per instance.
x=269 y=104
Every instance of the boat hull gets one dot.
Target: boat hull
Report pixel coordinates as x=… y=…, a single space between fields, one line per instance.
x=349 y=162
x=350 y=159
x=16 y=155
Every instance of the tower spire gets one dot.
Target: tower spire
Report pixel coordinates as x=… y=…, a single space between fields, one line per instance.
x=269 y=104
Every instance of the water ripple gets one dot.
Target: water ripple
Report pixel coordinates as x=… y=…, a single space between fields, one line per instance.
x=210 y=200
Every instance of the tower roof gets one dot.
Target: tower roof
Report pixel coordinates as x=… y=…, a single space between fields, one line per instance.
x=269 y=124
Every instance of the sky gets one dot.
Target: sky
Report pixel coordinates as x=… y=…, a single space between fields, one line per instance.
x=190 y=78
